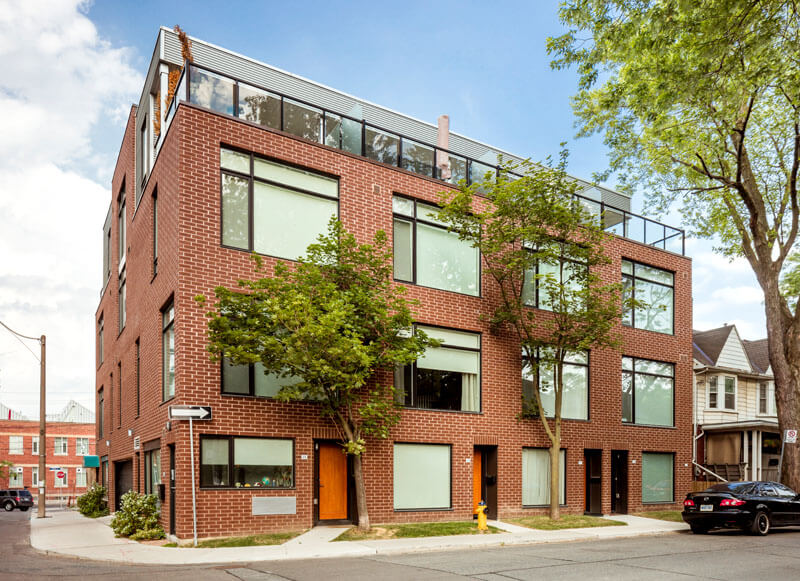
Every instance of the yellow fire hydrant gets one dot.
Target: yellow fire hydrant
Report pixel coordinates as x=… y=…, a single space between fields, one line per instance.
x=482 y=526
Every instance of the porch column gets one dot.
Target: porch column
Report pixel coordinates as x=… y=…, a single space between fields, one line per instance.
x=757 y=453
x=748 y=471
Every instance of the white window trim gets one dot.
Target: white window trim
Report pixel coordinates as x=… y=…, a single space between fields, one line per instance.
x=772 y=407
x=21 y=446
x=77 y=449
x=56 y=448
x=720 y=407
x=34 y=445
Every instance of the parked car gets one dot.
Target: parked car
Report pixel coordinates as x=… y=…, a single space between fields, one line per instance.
x=755 y=507
x=11 y=499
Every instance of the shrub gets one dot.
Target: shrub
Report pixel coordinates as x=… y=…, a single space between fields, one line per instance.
x=148 y=534
x=138 y=515
x=92 y=503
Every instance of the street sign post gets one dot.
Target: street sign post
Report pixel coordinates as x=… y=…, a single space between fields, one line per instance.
x=789 y=437
x=191 y=412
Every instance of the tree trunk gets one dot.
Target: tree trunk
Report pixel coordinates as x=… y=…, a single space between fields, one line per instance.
x=555 y=485
x=361 y=494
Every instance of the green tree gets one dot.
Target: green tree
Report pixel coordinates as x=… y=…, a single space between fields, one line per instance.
x=531 y=221
x=5 y=466
x=332 y=322
x=699 y=103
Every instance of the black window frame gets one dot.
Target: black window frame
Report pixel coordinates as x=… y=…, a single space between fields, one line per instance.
x=252 y=179
x=632 y=278
x=231 y=450
x=138 y=378
x=100 y=339
x=634 y=373
x=413 y=370
x=155 y=231
x=122 y=300
x=417 y=220
x=587 y=365
x=537 y=302
x=101 y=416
x=167 y=327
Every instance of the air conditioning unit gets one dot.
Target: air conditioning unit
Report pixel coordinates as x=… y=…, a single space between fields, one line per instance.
x=137 y=442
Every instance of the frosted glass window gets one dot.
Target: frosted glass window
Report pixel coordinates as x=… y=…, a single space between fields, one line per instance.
x=296 y=178
x=654 y=288
x=445 y=262
x=575 y=397
x=234 y=160
x=214 y=462
x=536 y=477
x=403 y=250
x=421 y=476
x=15 y=444
x=647 y=392
x=657 y=477
x=285 y=222
x=235 y=221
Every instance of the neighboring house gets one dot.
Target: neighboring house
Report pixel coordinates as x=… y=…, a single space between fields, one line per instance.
x=249 y=158
x=70 y=438
x=736 y=421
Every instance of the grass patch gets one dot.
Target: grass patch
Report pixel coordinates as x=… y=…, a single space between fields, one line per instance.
x=414 y=530
x=567 y=521
x=670 y=515
x=251 y=541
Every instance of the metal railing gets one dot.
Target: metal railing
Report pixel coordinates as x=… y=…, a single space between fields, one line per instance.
x=222 y=93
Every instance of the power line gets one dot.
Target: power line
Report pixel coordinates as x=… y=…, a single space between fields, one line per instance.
x=17 y=337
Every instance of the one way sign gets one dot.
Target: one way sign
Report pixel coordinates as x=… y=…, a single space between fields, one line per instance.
x=190 y=412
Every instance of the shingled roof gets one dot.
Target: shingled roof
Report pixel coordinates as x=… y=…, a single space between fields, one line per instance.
x=758 y=354
x=708 y=344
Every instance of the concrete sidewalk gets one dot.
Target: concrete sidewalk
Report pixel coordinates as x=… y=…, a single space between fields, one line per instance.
x=68 y=533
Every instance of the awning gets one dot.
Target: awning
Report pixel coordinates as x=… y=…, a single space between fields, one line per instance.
x=91 y=461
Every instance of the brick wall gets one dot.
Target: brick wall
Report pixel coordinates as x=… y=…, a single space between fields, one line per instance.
x=191 y=261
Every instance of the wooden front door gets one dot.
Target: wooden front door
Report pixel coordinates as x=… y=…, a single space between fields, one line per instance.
x=332 y=482
x=477 y=480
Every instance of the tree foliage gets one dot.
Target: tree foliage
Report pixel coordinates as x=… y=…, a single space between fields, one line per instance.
x=328 y=324
x=699 y=103
x=536 y=221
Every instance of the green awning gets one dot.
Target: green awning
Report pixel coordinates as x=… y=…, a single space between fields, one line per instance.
x=91 y=461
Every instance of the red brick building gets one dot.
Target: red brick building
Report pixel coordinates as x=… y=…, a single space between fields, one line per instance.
x=249 y=158
x=70 y=437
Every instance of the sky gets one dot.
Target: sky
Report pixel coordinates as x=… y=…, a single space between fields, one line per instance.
x=72 y=69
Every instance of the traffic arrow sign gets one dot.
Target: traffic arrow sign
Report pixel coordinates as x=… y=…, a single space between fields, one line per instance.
x=190 y=412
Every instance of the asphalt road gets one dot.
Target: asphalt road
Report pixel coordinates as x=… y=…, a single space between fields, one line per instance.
x=720 y=555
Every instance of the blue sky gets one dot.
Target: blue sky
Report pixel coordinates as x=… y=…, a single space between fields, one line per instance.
x=72 y=70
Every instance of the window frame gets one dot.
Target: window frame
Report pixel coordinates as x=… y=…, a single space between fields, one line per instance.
x=101 y=412
x=78 y=452
x=155 y=231
x=35 y=445
x=413 y=366
x=252 y=179
x=537 y=302
x=167 y=330
x=138 y=372
x=100 y=339
x=231 y=451
x=720 y=392
x=417 y=220
x=634 y=373
x=64 y=441
x=450 y=483
x=769 y=398
x=122 y=300
x=16 y=450
x=671 y=455
x=587 y=365
x=150 y=486
x=633 y=278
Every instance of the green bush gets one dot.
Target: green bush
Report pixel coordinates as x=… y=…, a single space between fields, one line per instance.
x=92 y=503
x=138 y=515
x=148 y=534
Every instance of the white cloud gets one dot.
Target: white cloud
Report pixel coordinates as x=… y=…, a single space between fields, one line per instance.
x=61 y=81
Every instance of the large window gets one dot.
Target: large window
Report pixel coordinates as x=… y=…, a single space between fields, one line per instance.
x=251 y=380
x=536 y=290
x=15 y=444
x=421 y=477
x=82 y=446
x=446 y=377
x=654 y=288
x=168 y=351
x=575 y=396
x=271 y=208
x=536 y=477
x=60 y=446
x=647 y=392
x=15 y=479
x=152 y=470
x=725 y=400
x=425 y=253
x=657 y=477
x=246 y=462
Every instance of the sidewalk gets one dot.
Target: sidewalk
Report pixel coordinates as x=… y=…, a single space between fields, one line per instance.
x=68 y=533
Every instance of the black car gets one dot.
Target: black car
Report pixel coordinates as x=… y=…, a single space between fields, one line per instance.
x=11 y=499
x=755 y=507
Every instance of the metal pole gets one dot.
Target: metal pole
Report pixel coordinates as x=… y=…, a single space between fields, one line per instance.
x=42 y=433
x=780 y=462
x=194 y=502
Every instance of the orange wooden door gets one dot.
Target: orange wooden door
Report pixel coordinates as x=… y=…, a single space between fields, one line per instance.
x=477 y=479
x=332 y=482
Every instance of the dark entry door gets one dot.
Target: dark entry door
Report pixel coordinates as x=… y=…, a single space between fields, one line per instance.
x=332 y=481
x=123 y=480
x=172 y=489
x=484 y=479
x=619 y=481
x=594 y=481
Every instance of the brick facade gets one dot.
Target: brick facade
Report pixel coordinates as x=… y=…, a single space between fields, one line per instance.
x=191 y=261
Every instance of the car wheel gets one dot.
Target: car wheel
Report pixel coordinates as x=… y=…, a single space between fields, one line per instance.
x=9 y=506
x=760 y=524
x=24 y=508
x=699 y=529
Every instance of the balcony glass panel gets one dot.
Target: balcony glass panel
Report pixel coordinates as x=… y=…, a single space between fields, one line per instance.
x=343 y=133
x=259 y=107
x=674 y=240
x=302 y=120
x=211 y=91
x=417 y=158
x=333 y=130
x=381 y=146
x=655 y=234
x=635 y=228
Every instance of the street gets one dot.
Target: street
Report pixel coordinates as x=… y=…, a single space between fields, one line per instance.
x=720 y=555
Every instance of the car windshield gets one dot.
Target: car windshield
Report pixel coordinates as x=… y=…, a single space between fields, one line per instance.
x=733 y=487
x=25 y=493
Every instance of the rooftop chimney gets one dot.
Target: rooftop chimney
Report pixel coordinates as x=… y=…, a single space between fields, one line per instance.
x=443 y=142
